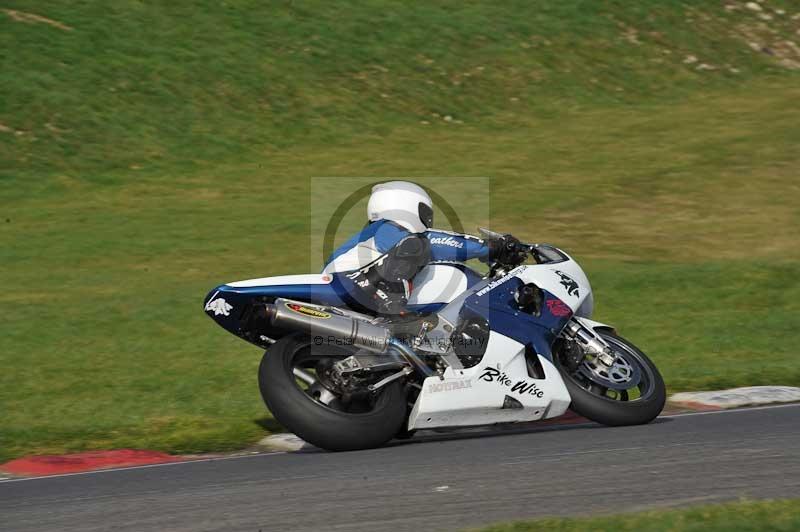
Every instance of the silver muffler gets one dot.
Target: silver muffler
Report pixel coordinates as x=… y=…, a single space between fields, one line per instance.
x=328 y=327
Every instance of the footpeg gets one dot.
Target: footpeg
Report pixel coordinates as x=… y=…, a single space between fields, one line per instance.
x=366 y=363
x=391 y=378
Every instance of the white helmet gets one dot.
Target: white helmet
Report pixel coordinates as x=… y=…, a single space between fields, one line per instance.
x=403 y=203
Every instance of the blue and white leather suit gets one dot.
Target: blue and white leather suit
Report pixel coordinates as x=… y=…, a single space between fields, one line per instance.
x=366 y=254
x=378 y=238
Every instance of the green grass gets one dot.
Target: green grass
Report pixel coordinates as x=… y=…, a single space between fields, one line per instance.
x=153 y=152
x=783 y=515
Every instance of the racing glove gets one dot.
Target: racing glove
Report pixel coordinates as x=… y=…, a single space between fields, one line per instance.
x=507 y=250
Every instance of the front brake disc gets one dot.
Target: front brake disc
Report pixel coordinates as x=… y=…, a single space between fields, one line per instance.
x=622 y=374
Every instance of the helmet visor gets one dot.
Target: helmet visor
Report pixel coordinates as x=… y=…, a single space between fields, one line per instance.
x=426 y=215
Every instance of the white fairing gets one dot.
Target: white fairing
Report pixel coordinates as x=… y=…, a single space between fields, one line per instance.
x=497 y=390
x=555 y=278
x=283 y=280
x=437 y=283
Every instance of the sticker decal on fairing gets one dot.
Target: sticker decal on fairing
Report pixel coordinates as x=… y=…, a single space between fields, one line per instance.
x=448 y=386
x=494 y=284
x=558 y=308
x=568 y=282
x=308 y=311
x=521 y=387
x=219 y=306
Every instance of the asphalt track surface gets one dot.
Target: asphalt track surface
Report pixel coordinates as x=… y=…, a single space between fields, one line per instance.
x=436 y=483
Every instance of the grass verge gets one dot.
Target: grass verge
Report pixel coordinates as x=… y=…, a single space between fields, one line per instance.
x=151 y=152
x=782 y=515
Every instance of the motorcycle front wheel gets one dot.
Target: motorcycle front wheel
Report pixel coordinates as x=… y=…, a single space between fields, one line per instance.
x=600 y=394
x=294 y=387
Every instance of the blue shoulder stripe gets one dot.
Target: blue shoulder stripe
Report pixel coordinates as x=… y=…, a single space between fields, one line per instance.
x=385 y=233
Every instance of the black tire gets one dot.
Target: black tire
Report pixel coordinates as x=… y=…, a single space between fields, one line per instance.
x=316 y=423
x=614 y=412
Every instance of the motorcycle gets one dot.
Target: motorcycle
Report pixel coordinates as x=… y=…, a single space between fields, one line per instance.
x=514 y=345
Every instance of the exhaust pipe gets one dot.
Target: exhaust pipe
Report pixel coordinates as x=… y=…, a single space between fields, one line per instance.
x=341 y=330
x=333 y=328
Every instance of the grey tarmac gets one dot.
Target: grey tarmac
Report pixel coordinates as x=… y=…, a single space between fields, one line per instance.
x=440 y=482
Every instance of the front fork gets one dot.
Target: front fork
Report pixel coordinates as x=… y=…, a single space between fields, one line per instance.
x=590 y=343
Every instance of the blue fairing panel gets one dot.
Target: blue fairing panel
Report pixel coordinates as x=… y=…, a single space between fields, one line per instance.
x=500 y=309
x=229 y=306
x=427 y=308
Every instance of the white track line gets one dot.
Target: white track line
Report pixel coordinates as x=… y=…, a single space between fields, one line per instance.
x=239 y=457
x=731 y=410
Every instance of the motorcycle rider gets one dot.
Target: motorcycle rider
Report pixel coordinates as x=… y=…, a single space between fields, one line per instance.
x=382 y=259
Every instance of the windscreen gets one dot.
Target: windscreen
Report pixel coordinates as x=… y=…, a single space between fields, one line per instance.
x=547 y=254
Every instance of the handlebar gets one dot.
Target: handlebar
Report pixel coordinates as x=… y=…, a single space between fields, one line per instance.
x=528 y=249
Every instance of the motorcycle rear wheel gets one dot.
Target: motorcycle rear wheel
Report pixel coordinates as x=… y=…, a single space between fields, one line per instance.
x=615 y=408
x=332 y=426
